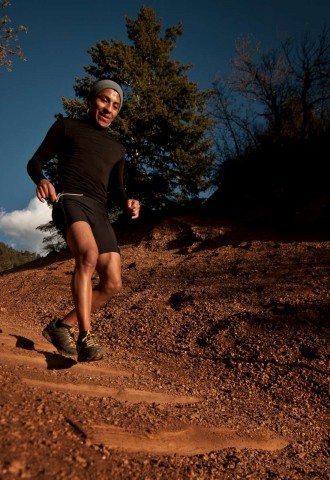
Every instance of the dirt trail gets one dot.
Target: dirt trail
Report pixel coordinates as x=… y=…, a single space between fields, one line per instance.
x=216 y=365
x=190 y=440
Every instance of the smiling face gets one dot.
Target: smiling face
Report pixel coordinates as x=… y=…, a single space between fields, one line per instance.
x=104 y=107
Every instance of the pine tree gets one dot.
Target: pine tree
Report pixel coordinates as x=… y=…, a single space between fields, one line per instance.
x=164 y=123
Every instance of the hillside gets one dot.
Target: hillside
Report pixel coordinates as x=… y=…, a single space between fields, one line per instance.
x=10 y=258
x=216 y=369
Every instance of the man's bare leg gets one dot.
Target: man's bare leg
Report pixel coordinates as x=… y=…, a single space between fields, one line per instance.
x=109 y=269
x=81 y=242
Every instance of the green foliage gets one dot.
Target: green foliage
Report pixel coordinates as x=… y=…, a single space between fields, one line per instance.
x=53 y=242
x=10 y=258
x=164 y=123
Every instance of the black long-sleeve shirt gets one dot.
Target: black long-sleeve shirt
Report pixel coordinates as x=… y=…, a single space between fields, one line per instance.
x=90 y=160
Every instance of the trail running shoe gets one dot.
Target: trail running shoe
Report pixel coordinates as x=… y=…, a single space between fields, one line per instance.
x=61 y=337
x=88 y=347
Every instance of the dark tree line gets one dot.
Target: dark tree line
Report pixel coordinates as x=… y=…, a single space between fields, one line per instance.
x=272 y=133
x=282 y=94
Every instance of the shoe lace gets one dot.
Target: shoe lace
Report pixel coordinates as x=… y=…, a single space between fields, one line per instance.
x=90 y=339
x=71 y=336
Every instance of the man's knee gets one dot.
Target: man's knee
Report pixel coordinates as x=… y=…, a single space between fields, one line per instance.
x=87 y=260
x=110 y=288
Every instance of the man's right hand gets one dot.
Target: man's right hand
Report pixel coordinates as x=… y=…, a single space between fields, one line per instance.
x=46 y=190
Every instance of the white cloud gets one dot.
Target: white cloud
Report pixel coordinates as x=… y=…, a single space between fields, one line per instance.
x=19 y=226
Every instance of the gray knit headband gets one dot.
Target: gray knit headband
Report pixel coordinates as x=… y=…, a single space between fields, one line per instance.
x=101 y=85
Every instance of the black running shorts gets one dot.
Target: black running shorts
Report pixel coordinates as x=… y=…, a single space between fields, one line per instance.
x=70 y=208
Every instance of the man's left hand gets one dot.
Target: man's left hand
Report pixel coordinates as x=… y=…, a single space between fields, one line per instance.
x=133 y=207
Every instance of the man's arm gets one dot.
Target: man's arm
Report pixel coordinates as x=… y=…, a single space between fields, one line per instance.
x=47 y=150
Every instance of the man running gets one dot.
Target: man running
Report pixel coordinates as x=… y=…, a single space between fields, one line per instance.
x=90 y=168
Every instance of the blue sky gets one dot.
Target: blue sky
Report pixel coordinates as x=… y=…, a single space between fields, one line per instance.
x=60 y=33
